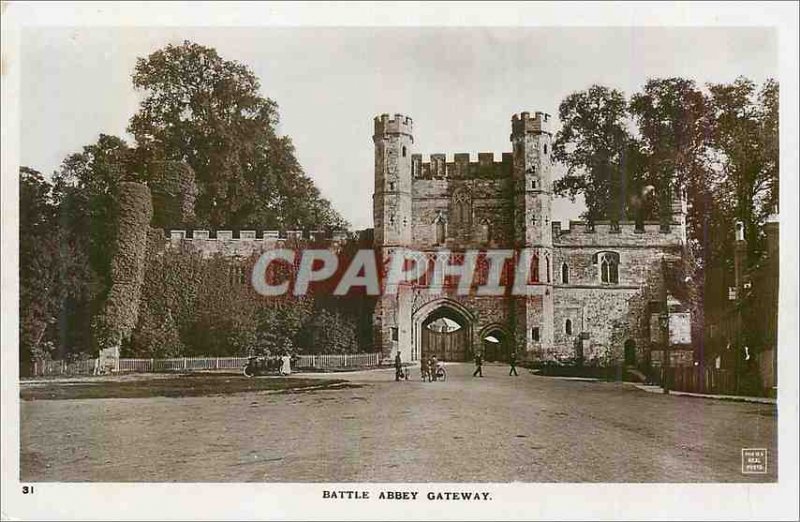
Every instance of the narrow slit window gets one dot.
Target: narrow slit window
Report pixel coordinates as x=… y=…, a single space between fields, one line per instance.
x=547 y=267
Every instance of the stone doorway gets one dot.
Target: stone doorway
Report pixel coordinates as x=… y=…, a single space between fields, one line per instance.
x=630 y=352
x=495 y=345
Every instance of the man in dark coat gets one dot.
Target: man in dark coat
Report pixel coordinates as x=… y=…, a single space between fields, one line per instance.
x=398 y=366
x=512 y=360
x=478 y=366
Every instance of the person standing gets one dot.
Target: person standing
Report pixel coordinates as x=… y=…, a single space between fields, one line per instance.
x=398 y=366
x=512 y=360
x=478 y=366
x=432 y=369
x=286 y=364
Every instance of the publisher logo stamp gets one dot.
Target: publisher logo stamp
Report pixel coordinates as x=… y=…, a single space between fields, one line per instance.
x=754 y=460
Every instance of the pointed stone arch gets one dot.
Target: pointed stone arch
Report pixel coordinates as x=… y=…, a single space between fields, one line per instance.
x=444 y=307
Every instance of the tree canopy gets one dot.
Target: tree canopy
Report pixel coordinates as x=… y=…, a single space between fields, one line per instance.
x=205 y=142
x=208 y=112
x=719 y=144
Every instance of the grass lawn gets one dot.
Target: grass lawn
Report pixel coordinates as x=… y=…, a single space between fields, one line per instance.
x=185 y=385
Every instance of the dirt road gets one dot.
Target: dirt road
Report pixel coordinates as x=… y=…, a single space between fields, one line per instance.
x=495 y=429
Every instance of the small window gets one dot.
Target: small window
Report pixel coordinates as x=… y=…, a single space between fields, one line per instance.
x=534 y=184
x=568 y=327
x=404 y=151
x=395 y=334
x=545 y=149
x=547 y=267
x=441 y=232
x=391 y=186
x=564 y=274
x=535 y=334
x=534 y=276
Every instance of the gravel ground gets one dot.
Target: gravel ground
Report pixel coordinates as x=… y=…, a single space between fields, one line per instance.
x=495 y=429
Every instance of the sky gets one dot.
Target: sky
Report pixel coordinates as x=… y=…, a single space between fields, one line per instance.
x=460 y=85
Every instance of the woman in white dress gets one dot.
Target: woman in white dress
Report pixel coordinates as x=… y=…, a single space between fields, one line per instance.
x=286 y=364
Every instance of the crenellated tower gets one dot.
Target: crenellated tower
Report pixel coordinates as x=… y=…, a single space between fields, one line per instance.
x=391 y=201
x=531 y=141
x=391 y=214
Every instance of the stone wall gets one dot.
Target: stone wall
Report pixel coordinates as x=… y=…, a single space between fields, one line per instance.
x=477 y=213
x=245 y=243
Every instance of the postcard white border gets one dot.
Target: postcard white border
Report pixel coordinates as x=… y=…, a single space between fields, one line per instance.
x=303 y=501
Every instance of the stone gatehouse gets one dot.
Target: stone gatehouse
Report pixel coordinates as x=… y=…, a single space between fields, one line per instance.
x=594 y=290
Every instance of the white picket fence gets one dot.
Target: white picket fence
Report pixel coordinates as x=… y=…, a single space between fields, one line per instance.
x=185 y=364
x=44 y=368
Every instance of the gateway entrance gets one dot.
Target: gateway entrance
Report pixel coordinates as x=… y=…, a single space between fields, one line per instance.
x=446 y=334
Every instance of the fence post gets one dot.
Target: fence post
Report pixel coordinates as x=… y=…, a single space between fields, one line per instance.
x=184 y=363
x=345 y=360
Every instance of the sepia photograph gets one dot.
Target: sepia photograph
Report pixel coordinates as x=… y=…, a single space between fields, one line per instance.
x=398 y=269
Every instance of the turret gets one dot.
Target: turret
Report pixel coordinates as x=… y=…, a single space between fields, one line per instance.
x=393 y=140
x=531 y=149
x=530 y=138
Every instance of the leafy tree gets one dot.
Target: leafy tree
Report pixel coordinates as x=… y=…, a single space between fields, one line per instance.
x=601 y=156
x=39 y=284
x=673 y=121
x=329 y=332
x=280 y=323
x=745 y=134
x=207 y=112
x=85 y=190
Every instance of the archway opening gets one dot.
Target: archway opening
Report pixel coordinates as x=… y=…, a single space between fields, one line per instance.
x=495 y=345
x=445 y=334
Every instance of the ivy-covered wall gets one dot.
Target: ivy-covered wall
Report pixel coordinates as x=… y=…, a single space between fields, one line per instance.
x=115 y=323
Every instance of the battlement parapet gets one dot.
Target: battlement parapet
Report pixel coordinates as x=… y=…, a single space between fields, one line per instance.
x=399 y=124
x=523 y=123
x=461 y=166
x=246 y=243
x=252 y=235
x=622 y=233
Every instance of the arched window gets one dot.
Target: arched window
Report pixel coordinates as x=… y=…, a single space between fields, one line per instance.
x=534 y=276
x=564 y=274
x=609 y=267
x=462 y=207
x=568 y=327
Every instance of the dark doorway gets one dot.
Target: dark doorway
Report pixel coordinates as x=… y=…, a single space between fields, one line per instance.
x=630 y=352
x=495 y=346
x=445 y=335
